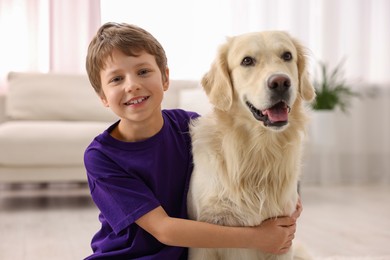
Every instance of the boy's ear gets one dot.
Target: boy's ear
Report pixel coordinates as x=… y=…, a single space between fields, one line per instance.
x=166 y=81
x=104 y=100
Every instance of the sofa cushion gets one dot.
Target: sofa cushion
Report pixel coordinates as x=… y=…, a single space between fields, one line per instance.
x=44 y=143
x=51 y=96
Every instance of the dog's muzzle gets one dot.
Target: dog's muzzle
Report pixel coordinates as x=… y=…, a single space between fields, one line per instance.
x=279 y=92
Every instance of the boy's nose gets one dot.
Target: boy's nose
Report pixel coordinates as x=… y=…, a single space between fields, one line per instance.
x=131 y=85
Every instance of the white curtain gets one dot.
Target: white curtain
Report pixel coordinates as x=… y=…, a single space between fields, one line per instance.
x=73 y=23
x=24 y=29
x=44 y=35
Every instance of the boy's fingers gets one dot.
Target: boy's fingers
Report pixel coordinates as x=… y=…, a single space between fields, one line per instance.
x=286 y=247
x=286 y=221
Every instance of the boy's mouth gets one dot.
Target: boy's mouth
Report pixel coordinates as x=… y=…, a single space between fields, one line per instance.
x=135 y=101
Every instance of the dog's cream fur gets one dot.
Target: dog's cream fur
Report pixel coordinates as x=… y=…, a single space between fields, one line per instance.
x=246 y=172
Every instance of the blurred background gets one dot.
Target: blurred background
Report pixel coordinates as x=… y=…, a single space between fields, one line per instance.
x=53 y=36
x=44 y=35
x=346 y=169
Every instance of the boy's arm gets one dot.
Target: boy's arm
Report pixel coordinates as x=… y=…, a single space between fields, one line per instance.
x=272 y=236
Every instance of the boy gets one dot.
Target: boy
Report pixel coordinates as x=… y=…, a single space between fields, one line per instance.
x=139 y=168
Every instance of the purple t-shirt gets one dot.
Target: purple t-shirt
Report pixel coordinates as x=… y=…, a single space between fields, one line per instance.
x=129 y=179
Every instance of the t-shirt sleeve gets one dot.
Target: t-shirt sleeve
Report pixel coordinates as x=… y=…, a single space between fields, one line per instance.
x=121 y=197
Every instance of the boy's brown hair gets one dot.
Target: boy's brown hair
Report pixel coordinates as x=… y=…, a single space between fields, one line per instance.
x=129 y=39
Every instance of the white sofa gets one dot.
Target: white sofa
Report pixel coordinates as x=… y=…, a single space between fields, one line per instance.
x=47 y=121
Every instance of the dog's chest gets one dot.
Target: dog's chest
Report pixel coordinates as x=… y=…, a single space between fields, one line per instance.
x=241 y=181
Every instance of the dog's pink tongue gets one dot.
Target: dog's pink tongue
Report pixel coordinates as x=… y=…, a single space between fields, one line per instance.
x=277 y=113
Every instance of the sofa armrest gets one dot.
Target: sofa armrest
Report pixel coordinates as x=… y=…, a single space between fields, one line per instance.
x=2 y=106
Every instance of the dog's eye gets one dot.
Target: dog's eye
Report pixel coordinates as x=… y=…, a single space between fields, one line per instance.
x=287 y=56
x=248 y=61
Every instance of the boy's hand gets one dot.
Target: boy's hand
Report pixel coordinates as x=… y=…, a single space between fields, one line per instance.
x=278 y=233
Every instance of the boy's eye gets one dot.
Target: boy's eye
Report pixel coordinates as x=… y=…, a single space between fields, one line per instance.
x=116 y=79
x=143 y=72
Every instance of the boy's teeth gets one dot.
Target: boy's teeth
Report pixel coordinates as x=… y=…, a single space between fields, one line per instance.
x=136 y=101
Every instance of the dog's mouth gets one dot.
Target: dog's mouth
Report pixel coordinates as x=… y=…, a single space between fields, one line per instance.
x=274 y=116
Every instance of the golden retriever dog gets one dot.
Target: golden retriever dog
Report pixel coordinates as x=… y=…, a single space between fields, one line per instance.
x=247 y=151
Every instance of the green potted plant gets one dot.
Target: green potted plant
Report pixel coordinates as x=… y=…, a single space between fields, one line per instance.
x=331 y=88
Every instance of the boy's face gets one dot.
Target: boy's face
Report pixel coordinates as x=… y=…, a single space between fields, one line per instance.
x=132 y=86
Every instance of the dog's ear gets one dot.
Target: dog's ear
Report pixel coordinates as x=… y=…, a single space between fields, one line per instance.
x=306 y=88
x=217 y=83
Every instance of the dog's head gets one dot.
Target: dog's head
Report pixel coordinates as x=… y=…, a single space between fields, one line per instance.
x=265 y=72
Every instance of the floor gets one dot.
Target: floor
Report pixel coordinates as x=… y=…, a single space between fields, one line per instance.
x=58 y=221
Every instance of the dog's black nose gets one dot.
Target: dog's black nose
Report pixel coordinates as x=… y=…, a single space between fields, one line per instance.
x=279 y=82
